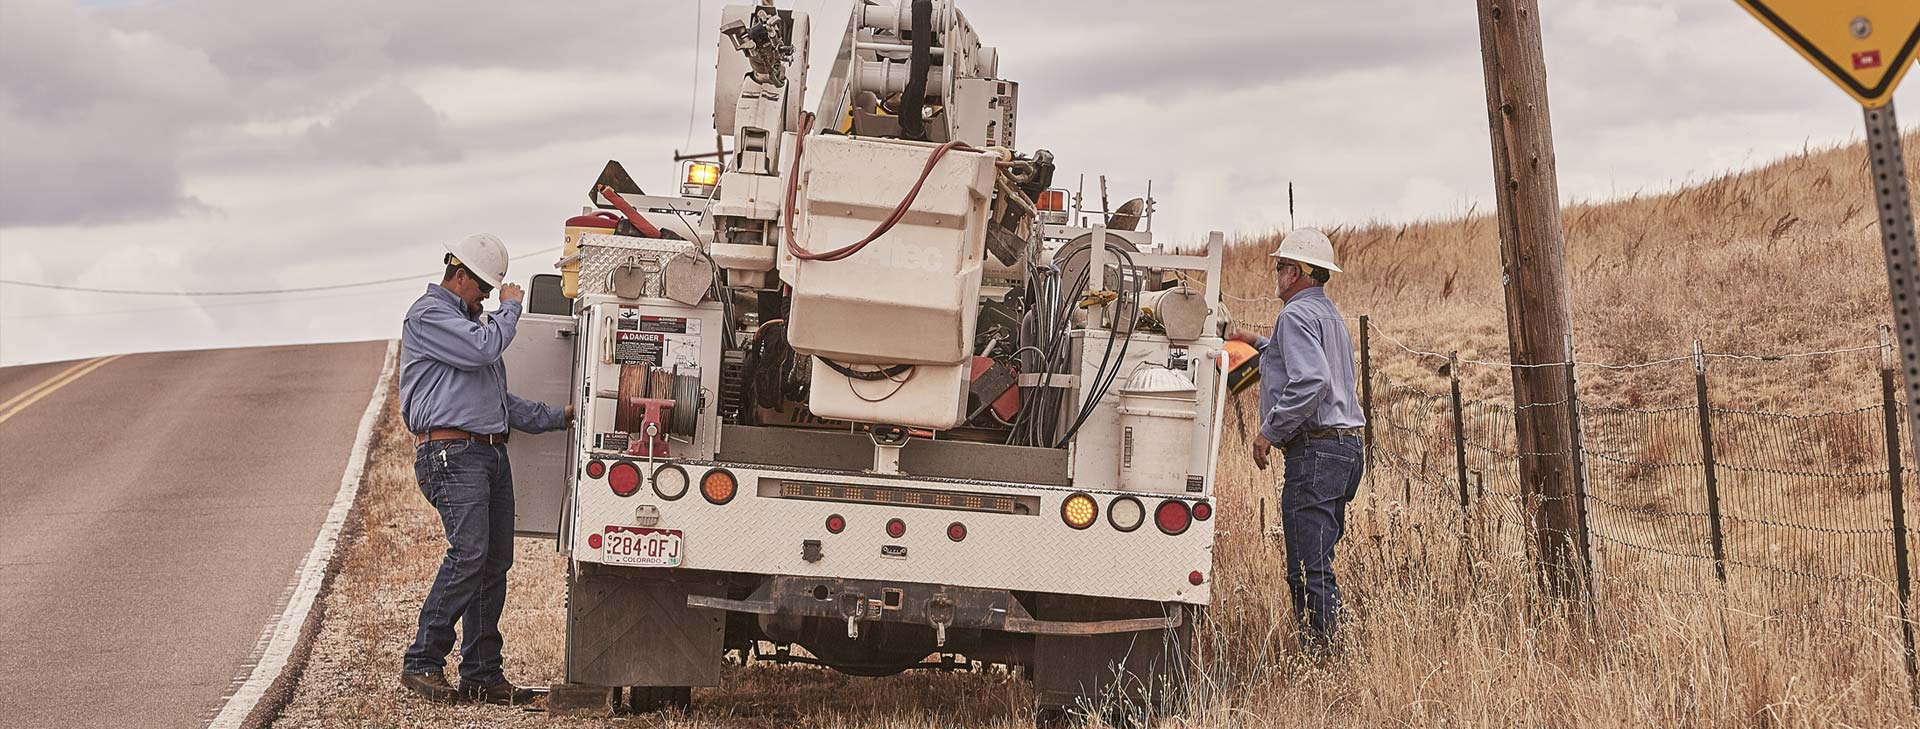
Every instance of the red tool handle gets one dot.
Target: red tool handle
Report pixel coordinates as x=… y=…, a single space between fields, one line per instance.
x=633 y=216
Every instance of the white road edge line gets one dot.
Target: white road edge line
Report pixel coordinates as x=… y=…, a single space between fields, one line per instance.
x=283 y=634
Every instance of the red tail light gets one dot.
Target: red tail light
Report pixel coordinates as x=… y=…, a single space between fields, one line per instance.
x=596 y=468
x=1202 y=511
x=624 y=478
x=836 y=523
x=1172 y=517
x=956 y=531
x=1195 y=577
x=896 y=528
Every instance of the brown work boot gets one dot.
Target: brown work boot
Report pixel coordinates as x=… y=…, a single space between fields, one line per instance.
x=504 y=693
x=432 y=686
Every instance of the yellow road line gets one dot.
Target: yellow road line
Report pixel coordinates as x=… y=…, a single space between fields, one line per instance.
x=43 y=383
x=47 y=388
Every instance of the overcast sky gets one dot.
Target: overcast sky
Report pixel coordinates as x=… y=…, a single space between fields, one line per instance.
x=236 y=144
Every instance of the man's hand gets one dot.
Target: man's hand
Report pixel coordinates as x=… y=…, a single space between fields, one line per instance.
x=569 y=414
x=511 y=292
x=1260 y=448
x=1245 y=337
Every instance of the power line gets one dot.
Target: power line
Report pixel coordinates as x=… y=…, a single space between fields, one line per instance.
x=203 y=307
x=255 y=292
x=693 y=104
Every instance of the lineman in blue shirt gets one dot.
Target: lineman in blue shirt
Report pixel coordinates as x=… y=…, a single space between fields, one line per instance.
x=1309 y=407
x=453 y=394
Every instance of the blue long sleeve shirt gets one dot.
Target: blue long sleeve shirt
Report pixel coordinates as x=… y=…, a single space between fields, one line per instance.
x=451 y=373
x=1306 y=370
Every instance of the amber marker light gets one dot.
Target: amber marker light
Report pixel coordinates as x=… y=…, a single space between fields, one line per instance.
x=718 y=486
x=1079 y=511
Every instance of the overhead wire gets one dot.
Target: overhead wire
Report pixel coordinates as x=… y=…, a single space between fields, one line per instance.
x=253 y=292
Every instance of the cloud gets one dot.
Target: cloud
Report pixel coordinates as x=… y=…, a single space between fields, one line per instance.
x=91 y=119
x=390 y=125
x=220 y=144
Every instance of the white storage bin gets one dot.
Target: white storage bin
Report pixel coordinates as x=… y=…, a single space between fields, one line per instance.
x=1157 y=419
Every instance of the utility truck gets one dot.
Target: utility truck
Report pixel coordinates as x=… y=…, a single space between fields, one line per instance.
x=867 y=393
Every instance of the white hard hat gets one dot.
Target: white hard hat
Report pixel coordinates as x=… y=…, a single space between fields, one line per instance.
x=1309 y=246
x=482 y=254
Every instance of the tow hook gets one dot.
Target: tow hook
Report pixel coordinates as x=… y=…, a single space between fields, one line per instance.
x=940 y=612
x=852 y=606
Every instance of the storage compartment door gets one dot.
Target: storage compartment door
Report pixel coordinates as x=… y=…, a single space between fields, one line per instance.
x=540 y=367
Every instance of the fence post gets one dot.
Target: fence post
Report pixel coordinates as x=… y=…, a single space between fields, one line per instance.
x=1459 y=428
x=1366 y=387
x=1706 y=460
x=1901 y=579
x=1576 y=442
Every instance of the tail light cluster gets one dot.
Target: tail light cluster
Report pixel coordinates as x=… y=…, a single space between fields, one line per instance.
x=1127 y=513
x=670 y=480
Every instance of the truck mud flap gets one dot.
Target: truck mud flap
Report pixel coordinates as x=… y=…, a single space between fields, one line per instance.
x=1115 y=674
x=635 y=627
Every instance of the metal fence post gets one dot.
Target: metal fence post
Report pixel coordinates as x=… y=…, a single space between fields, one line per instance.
x=1366 y=386
x=1706 y=459
x=1901 y=578
x=1459 y=428
x=1576 y=441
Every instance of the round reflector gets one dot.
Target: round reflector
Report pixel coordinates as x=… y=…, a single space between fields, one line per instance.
x=956 y=531
x=670 y=481
x=1079 y=511
x=836 y=523
x=596 y=468
x=1126 y=513
x=896 y=528
x=1195 y=577
x=718 y=486
x=1202 y=511
x=1172 y=517
x=624 y=478
x=593 y=540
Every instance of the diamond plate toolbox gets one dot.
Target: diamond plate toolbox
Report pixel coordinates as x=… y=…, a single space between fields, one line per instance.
x=602 y=254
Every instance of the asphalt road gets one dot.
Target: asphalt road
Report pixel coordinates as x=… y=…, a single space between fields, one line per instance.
x=152 y=513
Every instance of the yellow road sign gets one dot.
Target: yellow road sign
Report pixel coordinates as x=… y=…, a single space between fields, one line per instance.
x=1865 y=46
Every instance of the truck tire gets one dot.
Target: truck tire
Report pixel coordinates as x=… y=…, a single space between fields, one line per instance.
x=649 y=699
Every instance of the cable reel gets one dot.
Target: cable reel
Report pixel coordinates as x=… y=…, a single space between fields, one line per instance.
x=641 y=384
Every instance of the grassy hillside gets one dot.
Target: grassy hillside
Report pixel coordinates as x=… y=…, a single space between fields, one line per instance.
x=1782 y=258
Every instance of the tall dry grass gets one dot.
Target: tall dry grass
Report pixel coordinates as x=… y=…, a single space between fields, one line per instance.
x=1445 y=628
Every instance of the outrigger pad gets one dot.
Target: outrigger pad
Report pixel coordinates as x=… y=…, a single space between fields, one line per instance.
x=629 y=626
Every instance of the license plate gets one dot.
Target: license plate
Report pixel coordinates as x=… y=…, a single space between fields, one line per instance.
x=642 y=547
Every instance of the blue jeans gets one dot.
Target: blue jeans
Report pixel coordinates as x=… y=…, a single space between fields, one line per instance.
x=1322 y=475
x=471 y=486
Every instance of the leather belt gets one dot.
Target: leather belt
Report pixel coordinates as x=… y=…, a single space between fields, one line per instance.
x=458 y=434
x=1324 y=433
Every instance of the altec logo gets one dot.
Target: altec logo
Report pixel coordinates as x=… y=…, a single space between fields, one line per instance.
x=1866 y=59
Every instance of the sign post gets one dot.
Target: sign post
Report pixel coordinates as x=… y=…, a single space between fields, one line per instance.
x=1866 y=46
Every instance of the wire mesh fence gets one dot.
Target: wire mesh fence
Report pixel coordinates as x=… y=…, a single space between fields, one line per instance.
x=1697 y=497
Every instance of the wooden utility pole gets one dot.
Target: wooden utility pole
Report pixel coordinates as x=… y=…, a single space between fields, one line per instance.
x=1533 y=255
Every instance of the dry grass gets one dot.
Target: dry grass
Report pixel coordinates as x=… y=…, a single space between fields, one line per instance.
x=1777 y=259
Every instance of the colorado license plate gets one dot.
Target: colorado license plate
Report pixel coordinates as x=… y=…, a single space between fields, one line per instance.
x=642 y=547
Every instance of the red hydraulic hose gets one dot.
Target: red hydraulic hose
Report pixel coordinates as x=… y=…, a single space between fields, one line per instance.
x=639 y=221
x=899 y=211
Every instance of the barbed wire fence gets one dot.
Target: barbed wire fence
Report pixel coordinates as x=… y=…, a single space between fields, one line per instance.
x=1694 y=498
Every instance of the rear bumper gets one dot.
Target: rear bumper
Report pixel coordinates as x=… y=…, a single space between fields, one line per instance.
x=941 y=607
